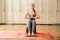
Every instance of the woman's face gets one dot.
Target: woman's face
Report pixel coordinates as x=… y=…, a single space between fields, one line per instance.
x=31 y=10
x=32 y=6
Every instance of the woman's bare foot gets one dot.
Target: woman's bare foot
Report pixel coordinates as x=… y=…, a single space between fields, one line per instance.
x=28 y=34
x=34 y=35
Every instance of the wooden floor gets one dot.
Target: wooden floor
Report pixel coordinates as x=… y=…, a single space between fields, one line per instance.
x=55 y=32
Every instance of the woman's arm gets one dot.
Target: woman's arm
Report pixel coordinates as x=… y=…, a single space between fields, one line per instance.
x=37 y=16
x=26 y=16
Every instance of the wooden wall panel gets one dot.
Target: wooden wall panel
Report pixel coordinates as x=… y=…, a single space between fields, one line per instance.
x=52 y=11
x=58 y=12
x=2 y=15
x=8 y=11
x=13 y=11
x=45 y=8
x=0 y=9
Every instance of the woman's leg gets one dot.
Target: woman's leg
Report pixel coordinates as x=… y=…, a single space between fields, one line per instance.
x=28 y=26
x=34 y=26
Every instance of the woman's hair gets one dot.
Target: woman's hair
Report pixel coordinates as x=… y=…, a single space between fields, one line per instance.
x=33 y=8
x=33 y=5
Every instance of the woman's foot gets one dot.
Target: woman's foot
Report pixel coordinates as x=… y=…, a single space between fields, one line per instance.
x=34 y=35
x=28 y=34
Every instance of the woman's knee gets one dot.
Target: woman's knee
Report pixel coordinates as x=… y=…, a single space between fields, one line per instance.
x=34 y=22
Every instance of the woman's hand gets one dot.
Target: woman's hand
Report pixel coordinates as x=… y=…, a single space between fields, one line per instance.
x=32 y=17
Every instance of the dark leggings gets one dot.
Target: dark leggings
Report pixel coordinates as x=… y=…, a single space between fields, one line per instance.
x=31 y=26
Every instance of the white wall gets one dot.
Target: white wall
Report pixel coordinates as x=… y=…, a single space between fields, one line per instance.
x=0 y=11
x=2 y=15
x=8 y=11
x=52 y=11
x=58 y=12
x=13 y=11
x=48 y=11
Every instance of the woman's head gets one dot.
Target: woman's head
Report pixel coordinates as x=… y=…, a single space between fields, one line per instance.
x=32 y=5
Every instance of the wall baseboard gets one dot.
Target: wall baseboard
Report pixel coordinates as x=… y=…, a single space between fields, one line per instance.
x=2 y=23
x=25 y=24
x=20 y=24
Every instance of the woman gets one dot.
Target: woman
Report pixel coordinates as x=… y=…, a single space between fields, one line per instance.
x=31 y=16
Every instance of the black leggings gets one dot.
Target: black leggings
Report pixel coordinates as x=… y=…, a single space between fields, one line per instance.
x=31 y=29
